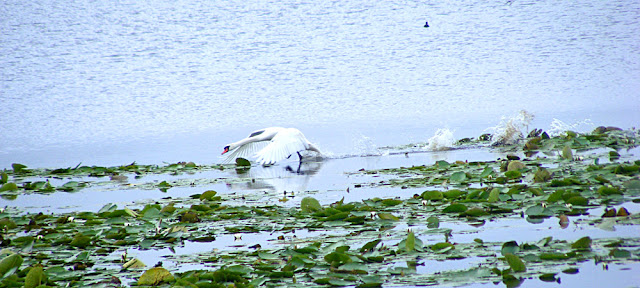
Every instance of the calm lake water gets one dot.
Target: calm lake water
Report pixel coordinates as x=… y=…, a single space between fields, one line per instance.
x=109 y=83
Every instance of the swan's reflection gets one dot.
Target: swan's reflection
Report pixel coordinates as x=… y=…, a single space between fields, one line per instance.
x=290 y=177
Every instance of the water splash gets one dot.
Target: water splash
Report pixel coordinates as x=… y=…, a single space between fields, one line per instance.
x=365 y=146
x=442 y=140
x=510 y=130
x=557 y=127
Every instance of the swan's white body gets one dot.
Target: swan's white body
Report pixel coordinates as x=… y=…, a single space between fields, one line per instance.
x=269 y=145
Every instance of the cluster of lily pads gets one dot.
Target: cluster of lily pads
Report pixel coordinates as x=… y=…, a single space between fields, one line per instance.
x=369 y=243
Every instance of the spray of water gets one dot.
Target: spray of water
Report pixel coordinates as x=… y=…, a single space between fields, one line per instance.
x=365 y=146
x=442 y=140
x=558 y=127
x=510 y=129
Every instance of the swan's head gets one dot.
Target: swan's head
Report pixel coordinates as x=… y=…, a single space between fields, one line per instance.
x=226 y=149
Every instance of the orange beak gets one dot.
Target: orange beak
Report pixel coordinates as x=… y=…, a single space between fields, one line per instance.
x=226 y=149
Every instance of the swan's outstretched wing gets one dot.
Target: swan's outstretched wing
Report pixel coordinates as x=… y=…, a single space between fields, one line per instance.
x=245 y=151
x=283 y=144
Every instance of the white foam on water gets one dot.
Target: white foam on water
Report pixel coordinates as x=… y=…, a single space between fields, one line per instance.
x=442 y=140
x=558 y=127
x=511 y=129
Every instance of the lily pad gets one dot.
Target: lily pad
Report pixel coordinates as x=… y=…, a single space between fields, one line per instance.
x=455 y=208
x=515 y=263
x=310 y=205
x=242 y=162
x=155 y=276
x=10 y=264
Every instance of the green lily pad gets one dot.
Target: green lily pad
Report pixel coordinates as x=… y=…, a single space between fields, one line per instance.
x=242 y=162
x=432 y=195
x=387 y=216
x=208 y=195
x=155 y=276
x=8 y=187
x=433 y=222
x=583 y=243
x=35 y=277
x=515 y=263
x=18 y=168
x=510 y=247
x=458 y=177
x=455 y=208
x=10 y=264
x=578 y=200
x=310 y=205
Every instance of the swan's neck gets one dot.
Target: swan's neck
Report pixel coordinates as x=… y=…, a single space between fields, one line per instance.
x=241 y=143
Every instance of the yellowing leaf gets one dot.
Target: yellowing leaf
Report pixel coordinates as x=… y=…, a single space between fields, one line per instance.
x=155 y=276
x=35 y=277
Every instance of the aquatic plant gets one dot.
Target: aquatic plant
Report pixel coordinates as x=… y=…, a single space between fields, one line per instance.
x=573 y=179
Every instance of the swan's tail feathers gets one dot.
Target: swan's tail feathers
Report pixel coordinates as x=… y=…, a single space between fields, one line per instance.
x=245 y=151
x=314 y=149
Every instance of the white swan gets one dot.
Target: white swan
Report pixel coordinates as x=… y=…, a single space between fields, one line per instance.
x=270 y=145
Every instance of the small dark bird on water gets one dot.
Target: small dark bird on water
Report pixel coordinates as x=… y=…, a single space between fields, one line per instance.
x=426 y=25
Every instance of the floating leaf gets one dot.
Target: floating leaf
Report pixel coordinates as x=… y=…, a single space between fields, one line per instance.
x=433 y=222
x=567 y=153
x=458 y=177
x=578 y=200
x=455 y=208
x=583 y=243
x=613 y=155
x=442 y=164
x=164 y=186
x=155 y=276
x=510 y=247
x=369 y=246
x=542 y=175
x=8 y=187
x=9 y=265
x=623 y=212
x=310 y=205
x=410 y=242
x=620 y=253
x=488 y=171
x=35 y=277
x=515 y=263
x=494 y=195
x=391 y=202
x=242 y=162
x=452 y=194
x=432 y=195
x=371 y=281
x=109 y=207
x=538 y=211
x=564 y=221
x=548 y=277
x=387 y=216
x=80 y=241
x=18 y=168
x=515 y=166
x=267 y=255
x=336 y=259
x=208 y=195
x=442 y=247
x=476 y=212
x=555 y=256
x=609 y=213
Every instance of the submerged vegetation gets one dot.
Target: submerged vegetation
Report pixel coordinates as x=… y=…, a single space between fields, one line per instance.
x=580 y=180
